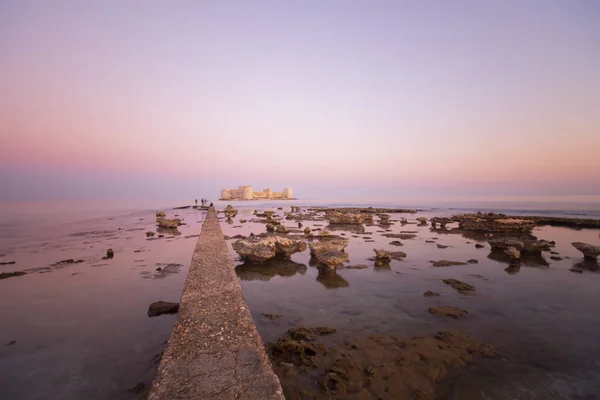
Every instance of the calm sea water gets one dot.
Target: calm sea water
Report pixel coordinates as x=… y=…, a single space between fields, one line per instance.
x=81 y=330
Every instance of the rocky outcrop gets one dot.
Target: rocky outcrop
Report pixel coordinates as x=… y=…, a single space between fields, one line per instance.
x=162 y=307
x=491 y=222
x=329 y=252
x=281 y=229
x=422 y=220
x=262 y=249
x=307 y=231
x=345 y=218
x=161 y=214
x=590 y=251
x=384 y=219
x=230 y=212
x=383 y=255
x=527 y=245
x=168 y=223
x=441 y=221
x=4 y=275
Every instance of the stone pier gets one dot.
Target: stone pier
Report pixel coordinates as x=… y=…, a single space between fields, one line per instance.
x=214 y=351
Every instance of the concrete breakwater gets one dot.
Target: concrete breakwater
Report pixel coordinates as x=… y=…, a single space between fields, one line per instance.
x=214 y=351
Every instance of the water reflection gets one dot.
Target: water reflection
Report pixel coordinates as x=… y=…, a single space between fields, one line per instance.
x=586 y=265
x=277 y=266
x=330 y=279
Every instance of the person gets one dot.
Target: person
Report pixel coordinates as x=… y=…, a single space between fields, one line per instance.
x=196 y=201
x=211 y=204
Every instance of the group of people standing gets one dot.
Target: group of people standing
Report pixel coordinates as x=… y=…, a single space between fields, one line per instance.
x=203 y=202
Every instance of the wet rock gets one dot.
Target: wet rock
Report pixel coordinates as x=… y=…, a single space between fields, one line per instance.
x=513 y=253
x=446 y=263
x=422 y=220
x=403 y=221
x=398 y=255
x=374 y=367
x=308 y=334
x=8 y=263
x=281 y=229
x=269 y=214
x=396 y=243
x=479 y=246
x=556 y=258
x=5 y=275
x=472 y=261
x=270 y=227
x=139 y=389
x=462 y=287
x=358 y=266
x=526 y=245
x=403 y=236
x=272 y=317
x=161 y=214
x=69 y=261
x=149 y=234
x=441 y=221
x=448 y=311
x=109 y=254
x=243 y=221
x=383 y=255
x=430 y=241
x=307 y=231
x=590 y=251
x=493 y=223
x=162 y=307
x=442 y=246
x=345 y=218
x=168 y=223
x=262 y=249
x=230 y=212
x=331 y=258
x=429 y=293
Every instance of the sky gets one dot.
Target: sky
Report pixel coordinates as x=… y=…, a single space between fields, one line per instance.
x=130 y=99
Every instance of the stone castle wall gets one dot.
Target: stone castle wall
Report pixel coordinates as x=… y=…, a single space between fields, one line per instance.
x=247 y=193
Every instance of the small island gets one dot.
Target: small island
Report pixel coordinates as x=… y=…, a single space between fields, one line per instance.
x=247 y=193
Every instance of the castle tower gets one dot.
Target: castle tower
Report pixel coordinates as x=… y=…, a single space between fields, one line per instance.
x=287 y=193
x=226 y=194
x=269 y=192
x=247 y=193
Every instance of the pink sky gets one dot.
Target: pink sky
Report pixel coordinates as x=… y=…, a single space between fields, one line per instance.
x=350 y=94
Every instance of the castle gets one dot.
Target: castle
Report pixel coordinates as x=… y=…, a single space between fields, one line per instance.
x=246 y=193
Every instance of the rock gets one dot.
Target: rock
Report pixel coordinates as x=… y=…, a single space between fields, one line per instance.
x=589 y=251
x=162 y=307
x=109 y=254
x=429 y=293
x=8 y=263
x=396 y=243
x=308 y=334
x=472 y=261
x=325 y=234
x=556 y=258
x=422 y=220
x=149 y=234
x=493 y=223
x=269 y=214
x=358 y=266
x=398 y=255
x=383 y=255
x=448 y=311
x=4 y=275
x=63 y=263
x=281 y=229
x=300 y=225
x=446 y=263
x=329 y=252
x=337 y=217
x=513 y=253
x=272 y=317
x=262 y=249
x=161 y=214
x=11 y=343
x=168 y=223
x=307 y=231
x=462 y=287
x=270 y=227
x=243 y=221
x=442 y=221
x=479 y=246
x=442 y=246
x=430 y=241
x=527 y=245
x=230 y=212
x=403 y=221
x=403 y=236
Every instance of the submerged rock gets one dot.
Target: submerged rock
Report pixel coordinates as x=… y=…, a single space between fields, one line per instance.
x=262 y=249
x=4 y=275
x=462 y=287
x=383 y=255
x=448 y=311
x=330 y=279
x=422 y=220
x=162 y=307
x=272 y=317
x=590 y=251
x=429 y=293
x=306 y=333
x=69 y=261
x=373 y=367
x=403 y=236
x=396 y=243
x=149 y=234
x=446 y=263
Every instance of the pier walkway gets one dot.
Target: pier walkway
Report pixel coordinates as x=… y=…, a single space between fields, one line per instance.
x=214 y=351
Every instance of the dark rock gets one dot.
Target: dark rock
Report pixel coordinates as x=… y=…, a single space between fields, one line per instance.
x=308 y=334
x=448 y=311
x=8 y=263
x=556 y=258
x=66 y=262
x=462 y=287
x=446 y=263
x=479 y=246
x=4 y=275
x=472 y=261
x=272 y=317
x=590 y=251
x=429 y=293
x=442 y=246
x=162 y=307
x=396 y=243
x=11 y=343
x=149 y=234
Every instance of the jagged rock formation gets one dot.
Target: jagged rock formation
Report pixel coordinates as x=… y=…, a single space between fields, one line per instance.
x=262 y=249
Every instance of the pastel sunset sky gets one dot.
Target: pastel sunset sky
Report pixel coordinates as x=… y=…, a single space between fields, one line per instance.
x=110 y=99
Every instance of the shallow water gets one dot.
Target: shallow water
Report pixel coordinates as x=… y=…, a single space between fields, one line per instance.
x=82 y=331
x=542 y=319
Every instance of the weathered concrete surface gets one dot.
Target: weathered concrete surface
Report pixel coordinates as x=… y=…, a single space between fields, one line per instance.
x=214 y=351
